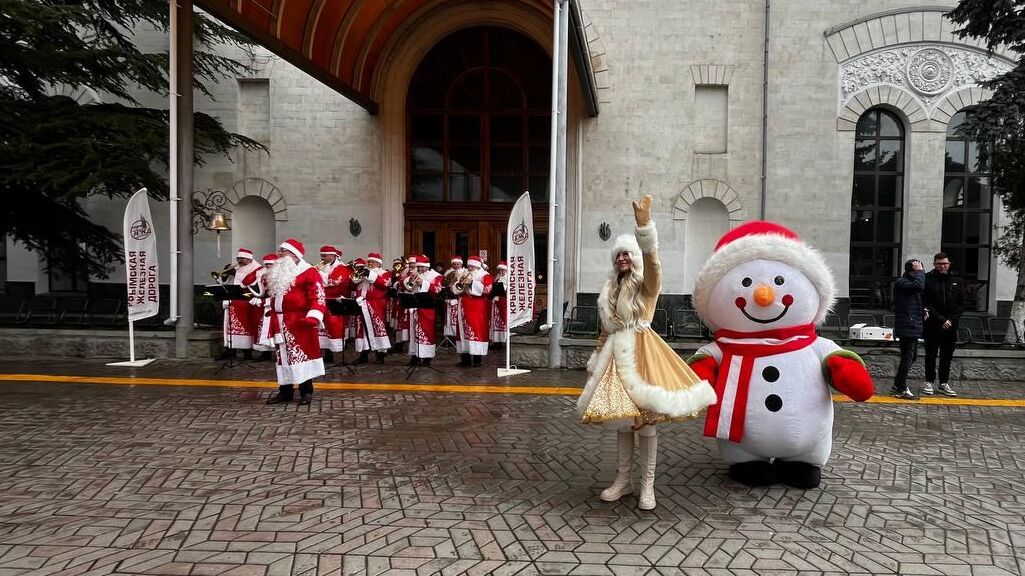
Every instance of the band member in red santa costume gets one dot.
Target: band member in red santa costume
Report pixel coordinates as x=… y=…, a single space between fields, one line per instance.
x=263 y=344
x=451 y=299
x=474 y=289
x=297 y=311
x=239 y=315
x=499 y=311
x=335 y=275
x=371 y=291
x=423 y=331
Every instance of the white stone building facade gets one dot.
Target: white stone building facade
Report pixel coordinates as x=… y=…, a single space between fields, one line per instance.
x=687 y=114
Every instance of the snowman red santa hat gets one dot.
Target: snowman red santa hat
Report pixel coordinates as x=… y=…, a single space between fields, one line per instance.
x=755 y=246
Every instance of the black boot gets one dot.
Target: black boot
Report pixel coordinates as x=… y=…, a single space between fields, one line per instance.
x=329 y=357
x=364 y=357
x=754 y=473
x=799 y=474
x=266 y=357
x=464 y=359
x=425 y=361
x=247 y=354
x=413 y=361
x=306 y=393
x=477 y=361
x=380 y=357
x=284 y=395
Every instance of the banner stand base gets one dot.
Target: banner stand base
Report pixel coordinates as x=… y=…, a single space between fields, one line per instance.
x=503 y=372
x=133 y=363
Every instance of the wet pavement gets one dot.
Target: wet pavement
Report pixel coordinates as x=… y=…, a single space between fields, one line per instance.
x=101 y=479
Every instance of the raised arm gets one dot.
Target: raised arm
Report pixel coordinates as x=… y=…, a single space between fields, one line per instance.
x=647 y=239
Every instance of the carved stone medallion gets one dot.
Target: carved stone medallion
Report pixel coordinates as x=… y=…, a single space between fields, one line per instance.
x=930 y=71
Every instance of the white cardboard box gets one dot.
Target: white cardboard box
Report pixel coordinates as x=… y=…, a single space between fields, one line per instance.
x=866 y=332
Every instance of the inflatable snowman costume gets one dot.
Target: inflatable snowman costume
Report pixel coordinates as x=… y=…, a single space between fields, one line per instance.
x=762 y=292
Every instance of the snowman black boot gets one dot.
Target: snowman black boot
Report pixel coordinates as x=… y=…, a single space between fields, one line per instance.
x=623 y=484
x=799 y=474
x=754 y=473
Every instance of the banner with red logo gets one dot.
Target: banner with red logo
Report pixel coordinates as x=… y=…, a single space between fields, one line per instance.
x=521 y=282
x=141 y=259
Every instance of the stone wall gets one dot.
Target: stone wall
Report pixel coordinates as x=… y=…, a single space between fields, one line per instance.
x=104 y=343
x=968 y=364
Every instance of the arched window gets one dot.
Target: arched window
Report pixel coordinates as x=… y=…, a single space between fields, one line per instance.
x=967 y=215
x=480 y=119
x=876 y=208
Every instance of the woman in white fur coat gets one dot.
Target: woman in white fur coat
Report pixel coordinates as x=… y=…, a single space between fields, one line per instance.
x=634 y=379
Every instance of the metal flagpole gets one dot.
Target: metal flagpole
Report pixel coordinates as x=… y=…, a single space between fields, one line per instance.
x=553 y=145
x=172 y=157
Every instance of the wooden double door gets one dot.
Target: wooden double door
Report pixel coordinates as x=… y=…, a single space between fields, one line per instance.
x=449 y=230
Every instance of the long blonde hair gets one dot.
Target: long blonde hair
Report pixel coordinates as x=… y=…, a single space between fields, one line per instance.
x=621 y=298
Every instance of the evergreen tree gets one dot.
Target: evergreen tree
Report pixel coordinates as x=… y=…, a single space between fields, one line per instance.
x=56 y=152
x=1000 y=123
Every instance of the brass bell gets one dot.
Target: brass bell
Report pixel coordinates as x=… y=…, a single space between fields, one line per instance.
x=218 y=223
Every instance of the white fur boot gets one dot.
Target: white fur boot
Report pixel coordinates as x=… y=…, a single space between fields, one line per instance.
x=624 y=473
x=649 y=452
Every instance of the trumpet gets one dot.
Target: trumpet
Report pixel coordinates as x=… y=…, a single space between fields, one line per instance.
x=223 y=275
x=321 y=266
x=359 y=274
x=463 y=279
x=411 y=282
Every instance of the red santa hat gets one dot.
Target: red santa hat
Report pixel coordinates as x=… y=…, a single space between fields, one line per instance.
x=422 y=260
x=244 y=253
x=326 y=250
x=374 y=257
x=761 y=240
x=294 y=246
x=474 y=261
x=270 y=258
x=502 y=265
x=456 y=259
x=359 y=262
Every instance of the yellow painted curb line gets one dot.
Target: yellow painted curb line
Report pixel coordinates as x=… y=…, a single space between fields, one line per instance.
x=450 y=388
x=376 y=387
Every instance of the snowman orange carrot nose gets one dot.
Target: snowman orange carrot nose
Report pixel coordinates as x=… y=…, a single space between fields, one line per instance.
x=764 y=295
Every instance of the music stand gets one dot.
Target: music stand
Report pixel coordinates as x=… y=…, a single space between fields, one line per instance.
x=344 y=307
x=444 y=297
x=228 y=293
x=417 y=301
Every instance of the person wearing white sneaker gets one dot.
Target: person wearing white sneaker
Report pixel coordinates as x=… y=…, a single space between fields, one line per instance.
x=944 y=304
x=634 y=379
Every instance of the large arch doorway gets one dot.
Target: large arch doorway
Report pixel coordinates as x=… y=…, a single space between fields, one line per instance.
x=478 y=126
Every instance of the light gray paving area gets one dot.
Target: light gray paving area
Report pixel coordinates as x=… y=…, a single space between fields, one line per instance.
x=173 y=480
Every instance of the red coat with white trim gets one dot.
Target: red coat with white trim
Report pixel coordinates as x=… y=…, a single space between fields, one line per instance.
x=240 y=317
x=336 y=285
x=372 y=293
x=474 y=314
x=423 y=321
x=295 y=319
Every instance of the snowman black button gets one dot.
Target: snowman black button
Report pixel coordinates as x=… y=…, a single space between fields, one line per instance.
x=773 y=403
x=770 y=374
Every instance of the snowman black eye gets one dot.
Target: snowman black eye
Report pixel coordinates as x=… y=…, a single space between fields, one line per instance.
x=745 y=282
x=779 y=280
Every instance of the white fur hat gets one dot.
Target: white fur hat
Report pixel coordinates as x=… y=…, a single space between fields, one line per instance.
x=627 y=243
x=761 y=240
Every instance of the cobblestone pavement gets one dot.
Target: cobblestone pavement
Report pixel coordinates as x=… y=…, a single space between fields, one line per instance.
x=171 y=480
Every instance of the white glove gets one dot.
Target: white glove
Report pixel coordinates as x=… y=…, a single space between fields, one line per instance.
x=255 y=302
x=360 y=300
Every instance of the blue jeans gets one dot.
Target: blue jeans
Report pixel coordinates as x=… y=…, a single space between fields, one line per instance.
x=908 y=355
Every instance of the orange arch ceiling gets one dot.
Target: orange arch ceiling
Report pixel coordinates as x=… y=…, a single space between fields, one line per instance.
x=339 y=42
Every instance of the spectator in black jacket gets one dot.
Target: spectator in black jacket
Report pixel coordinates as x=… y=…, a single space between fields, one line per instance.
x=908 y=312
x=943 y=306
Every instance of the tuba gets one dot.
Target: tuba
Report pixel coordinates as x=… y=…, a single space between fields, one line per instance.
x=227 y=272
x=462 y=280
x=412 y=281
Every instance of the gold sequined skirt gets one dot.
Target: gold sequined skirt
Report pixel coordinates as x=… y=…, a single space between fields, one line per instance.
x=657 y=364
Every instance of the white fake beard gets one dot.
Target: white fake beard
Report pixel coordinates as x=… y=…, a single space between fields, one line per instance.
x=281 y=276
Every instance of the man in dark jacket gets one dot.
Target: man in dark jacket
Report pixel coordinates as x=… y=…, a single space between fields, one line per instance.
x=907 y=326
x=943 y=306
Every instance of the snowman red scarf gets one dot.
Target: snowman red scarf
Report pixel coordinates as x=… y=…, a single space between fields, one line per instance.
x=734 y=378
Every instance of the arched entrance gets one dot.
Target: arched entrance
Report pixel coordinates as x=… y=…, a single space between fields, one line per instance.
x=478 y=125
